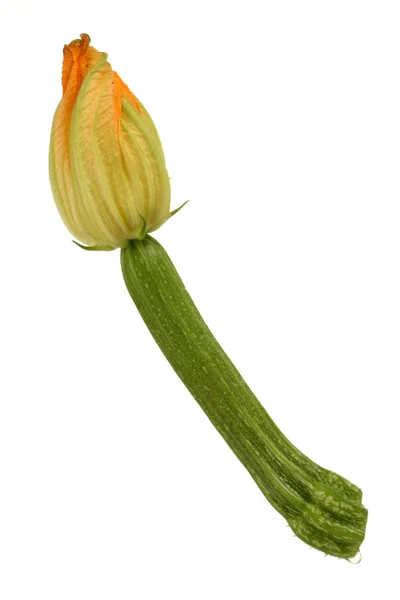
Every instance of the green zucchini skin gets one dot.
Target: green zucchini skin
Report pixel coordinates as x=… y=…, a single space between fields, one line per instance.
x=323 y=509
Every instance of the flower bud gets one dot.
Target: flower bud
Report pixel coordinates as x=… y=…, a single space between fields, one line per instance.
x=107 y=166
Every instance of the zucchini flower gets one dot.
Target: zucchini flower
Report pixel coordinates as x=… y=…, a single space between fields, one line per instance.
x=107 y=167
x=111 y=187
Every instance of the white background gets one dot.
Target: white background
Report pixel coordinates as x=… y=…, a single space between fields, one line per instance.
x=280 y=122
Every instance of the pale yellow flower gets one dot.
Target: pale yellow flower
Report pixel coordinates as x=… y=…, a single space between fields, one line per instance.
x=107 y=166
